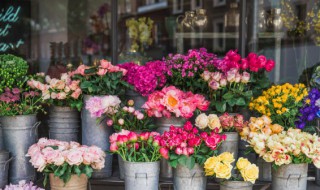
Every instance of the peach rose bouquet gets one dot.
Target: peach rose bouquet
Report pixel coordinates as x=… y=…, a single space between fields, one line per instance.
x=221 y=167
x=64 y=159
x=173 y=101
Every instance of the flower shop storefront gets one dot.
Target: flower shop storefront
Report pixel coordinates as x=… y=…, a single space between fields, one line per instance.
x=160 y=94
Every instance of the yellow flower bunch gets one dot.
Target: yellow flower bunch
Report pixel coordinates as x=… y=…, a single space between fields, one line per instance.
x=281 y=103
x=260 y=125
x=221 y=167
x=139 y=31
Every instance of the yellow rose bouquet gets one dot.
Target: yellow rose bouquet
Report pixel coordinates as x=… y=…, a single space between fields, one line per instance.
x=221 y=167
x=281 y=103
x=292 y=146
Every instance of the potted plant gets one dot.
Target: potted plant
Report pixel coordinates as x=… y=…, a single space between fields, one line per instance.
x=186 y=150
x=65 y=98
x=145 y=79
x=141 y=154
x=172 y=106
x=101 y=79
x=227 y=124
x=289 y=152
x=18 y=108
x=221 y=167
x=66 y=165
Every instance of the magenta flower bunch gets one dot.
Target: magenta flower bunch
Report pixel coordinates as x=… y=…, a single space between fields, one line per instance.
x=146 y=78
x=183 y=71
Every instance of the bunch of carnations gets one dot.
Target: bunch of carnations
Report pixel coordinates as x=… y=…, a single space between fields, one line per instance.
x=229 y=91
x=281 y=103
x=221 y=167
x=23 y=186
x=172 y=101
x=256 y=65
x=258 y=125
x=187 y=146
x=145 y=78
x=183 y=71
x=101 y=79
x=133 y=147
x=310 y=109
x=292 y=146
x=99 y=105
x=59 y=92
x=64 y=159
x=224 y=123
x=129 y=118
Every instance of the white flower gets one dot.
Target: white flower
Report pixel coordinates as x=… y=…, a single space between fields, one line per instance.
x=202 y=121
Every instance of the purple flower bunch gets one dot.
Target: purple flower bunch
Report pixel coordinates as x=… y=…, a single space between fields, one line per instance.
x=23 y=186
x=146 y=78
x=310 y=110
x=10 y=96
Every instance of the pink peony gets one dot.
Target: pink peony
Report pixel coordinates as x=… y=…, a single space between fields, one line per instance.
x=38 y=161
x=227 y=121
x=74 y=157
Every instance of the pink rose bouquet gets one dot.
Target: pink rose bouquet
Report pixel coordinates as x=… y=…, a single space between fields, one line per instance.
x=64 y=159
x=101 y=79
x=145 y=78
x=172 y=101
x=23 y=186
x=129 y=118
x=183 y=71
x=97 y=105
x=59 y=92
x=187 y=146
x=133 y=147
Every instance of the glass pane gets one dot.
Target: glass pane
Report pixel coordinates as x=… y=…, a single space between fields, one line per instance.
x=288 y=32
x=178 y=25
x=53 y=34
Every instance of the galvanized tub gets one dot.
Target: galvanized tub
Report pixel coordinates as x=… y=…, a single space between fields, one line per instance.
x=19 y=133
x=4 y=166
x=240 y=185
x=264 y=170
x=1 y=140
x=75 y=183
x=163 y=125
x=186 y=179
x=141 y=175
x=138 y=99
x=64 y=124
x=291 y=176
x=94 y=133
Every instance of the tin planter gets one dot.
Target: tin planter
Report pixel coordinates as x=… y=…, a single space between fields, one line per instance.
x=64 y=124
x=186 y=179
x=163 y=125
x=19 y=133
x=291 y=176
x=94 y=133
x=264 y=170
x=138 y=99
x=232 y=185
x=75 y=183
x=4 y=166
x=141 y=175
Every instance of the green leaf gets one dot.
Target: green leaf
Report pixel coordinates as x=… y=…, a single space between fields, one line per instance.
x=228 y=96
x=85 y=84
x=174 y=163
x=173 y=156
x=241 y=102
x=190 y=162
x=90 y=71
x=221 y=106
x=88 y=171
x=182 y=160
x=77 y=170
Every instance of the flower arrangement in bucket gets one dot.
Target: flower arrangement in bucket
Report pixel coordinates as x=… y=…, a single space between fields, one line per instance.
x=221 y=167
x=145 y=78
x=129 y=118
x=101 y=79
x=102 y=105
x=22 y=185
x=141 y=154
x=59 y=92
x=281 y=103
x=65 y=162
x=233 y=80
x=171 y=101
x=183 y=71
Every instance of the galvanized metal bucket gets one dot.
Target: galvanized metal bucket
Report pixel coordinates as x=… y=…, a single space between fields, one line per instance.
x=64 y=124
x=121 y=167
x=264 y=170
x=1 y=140
x=163 y=125
x=19 y=133
x=240 y=185
x=138 y=99
x=291 y=176
x=186 y=179
x=243 y=152
x=141 y=175
x=4 y=167
x=317 y=176
x=94 y=133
